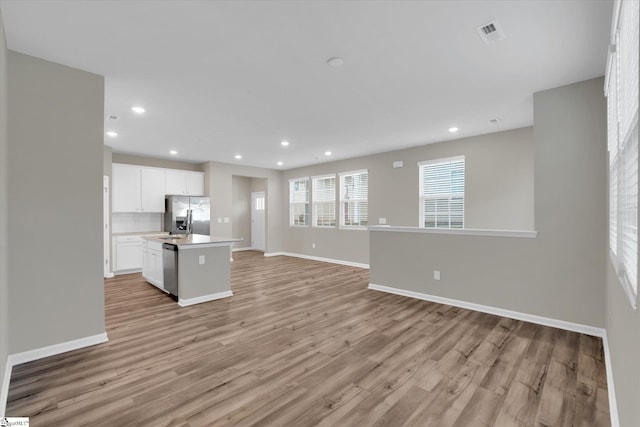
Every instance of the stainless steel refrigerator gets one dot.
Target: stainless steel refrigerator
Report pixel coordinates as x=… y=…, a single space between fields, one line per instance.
x=182 y=213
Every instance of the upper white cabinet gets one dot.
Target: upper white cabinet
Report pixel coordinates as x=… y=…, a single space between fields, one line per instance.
x=137 y=189
x=184 y=183
x=152 y=190
x=195 y=183
x=142 y=189
x=126 y=188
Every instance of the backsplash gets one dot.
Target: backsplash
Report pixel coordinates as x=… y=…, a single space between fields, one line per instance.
x=130 y=222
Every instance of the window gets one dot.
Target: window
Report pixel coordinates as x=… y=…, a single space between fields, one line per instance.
x=621 y=89
x=354 y=199
x=299 y=202
x=324 y=201
x=442 y=193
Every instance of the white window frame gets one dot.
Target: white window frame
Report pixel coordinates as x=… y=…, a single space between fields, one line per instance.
x=292 y=203
x=621 y=89
x=422 y=197
x=343 y=200
x=314 y=201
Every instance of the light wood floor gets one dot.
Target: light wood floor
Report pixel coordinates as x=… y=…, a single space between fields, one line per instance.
x=305 y=343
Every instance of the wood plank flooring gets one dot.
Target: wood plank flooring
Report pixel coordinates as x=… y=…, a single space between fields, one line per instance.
x=305 y=343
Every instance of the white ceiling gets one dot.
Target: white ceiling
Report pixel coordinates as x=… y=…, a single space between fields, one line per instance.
x=224 y=77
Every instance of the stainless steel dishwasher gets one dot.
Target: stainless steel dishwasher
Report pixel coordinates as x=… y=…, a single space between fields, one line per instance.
x=170 y=268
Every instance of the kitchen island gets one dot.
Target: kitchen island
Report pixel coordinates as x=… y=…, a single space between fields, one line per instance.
x=196 y=268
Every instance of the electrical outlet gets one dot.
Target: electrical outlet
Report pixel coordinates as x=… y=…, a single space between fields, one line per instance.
x=201 y=259
x=436 y=274
x=219 y=220
x=226 y=220
x=382 y=221
x=313 y=246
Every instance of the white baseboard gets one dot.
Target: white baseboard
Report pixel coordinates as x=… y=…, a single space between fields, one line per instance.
x=532 y=318
x=110 y=275
x=4 y=392
x=40 y=353
x=241 y=249
x=316 y=258
x=204 y=298
x=613 y=404
x=121 y=272
x=52 y=350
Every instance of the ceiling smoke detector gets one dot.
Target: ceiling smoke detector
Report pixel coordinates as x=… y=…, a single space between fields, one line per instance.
x=491 y=32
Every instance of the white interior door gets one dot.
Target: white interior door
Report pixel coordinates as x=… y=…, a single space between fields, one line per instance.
x=258 y=206
x=105 y=227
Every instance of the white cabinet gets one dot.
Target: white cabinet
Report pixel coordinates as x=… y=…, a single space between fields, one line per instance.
x=152 y=265
x=127 y=251
x=195 y=183
x=184 y=183
x=126 y=188
x=138 y=189
x=151 y=190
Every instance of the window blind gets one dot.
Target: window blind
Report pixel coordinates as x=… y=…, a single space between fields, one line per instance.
x=629 y=210
x=354 y=199
x=627 y=47
x=442 y=193
x=622 y=134
x=299 y=202
x=612 y=143
x=324 y=201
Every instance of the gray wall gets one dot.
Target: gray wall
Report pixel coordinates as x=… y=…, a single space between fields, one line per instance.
x=130 y=159
x=560 y=273
x=241 y=204
x=218 y=186
x=498 y=193
x=55 y=178
x=4 y=241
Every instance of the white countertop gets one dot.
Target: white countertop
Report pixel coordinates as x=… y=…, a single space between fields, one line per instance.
x=194 y=240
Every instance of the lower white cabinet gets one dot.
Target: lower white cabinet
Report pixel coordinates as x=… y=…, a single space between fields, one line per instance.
x=152 y=263
x=127 y=253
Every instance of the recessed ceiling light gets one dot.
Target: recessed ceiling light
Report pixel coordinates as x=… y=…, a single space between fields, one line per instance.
x=327 y=153
x=453 y=129
x=112 y=134
x=284 y=143
x=238 y=156
x=173 y=152
x=138 y=110
x=335 y=62
x=280 y=163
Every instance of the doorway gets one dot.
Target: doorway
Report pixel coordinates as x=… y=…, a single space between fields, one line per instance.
x=258 y=204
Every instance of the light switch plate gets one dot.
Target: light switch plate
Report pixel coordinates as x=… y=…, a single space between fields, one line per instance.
x=201 y=259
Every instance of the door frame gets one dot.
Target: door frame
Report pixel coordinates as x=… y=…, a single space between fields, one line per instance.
x=254 y=195
x=106 y=227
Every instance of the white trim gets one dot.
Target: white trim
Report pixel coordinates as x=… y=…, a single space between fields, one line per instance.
x=613 y=404
x=268 y=254
x=52 y=350
x=442 y=160
x=358 y=172
x=4 y=391
x=130 y=271
x=204 y=298
x=317 y=258
x=354 y=227
x=456 y=231
x=241 y=249
x=532 y=318
x=110 y=275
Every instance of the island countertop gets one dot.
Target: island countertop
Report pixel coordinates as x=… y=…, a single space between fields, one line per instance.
x=193 y=240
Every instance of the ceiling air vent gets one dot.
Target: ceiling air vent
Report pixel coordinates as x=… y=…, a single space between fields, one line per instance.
x=491 y=32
